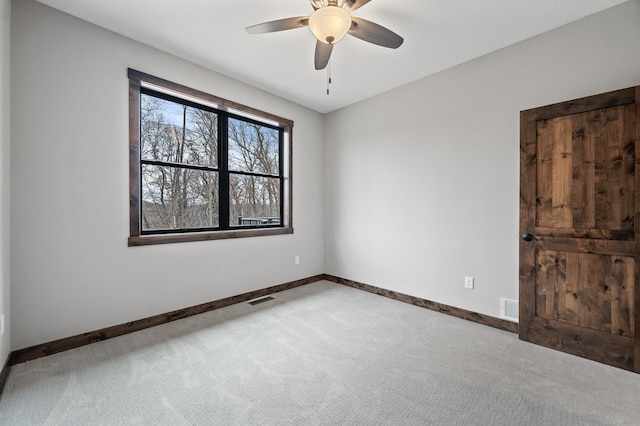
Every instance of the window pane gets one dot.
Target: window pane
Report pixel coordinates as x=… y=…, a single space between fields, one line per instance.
x=177 y=133
x=254 y=200
x=175 y=198
x=253 y=148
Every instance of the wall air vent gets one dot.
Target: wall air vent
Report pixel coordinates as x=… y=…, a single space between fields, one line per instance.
x=509 y=309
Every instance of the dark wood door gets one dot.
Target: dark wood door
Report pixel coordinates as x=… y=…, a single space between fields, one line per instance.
x=580 y=227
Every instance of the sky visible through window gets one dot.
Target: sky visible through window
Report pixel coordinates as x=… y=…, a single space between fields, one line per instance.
x=181 y=170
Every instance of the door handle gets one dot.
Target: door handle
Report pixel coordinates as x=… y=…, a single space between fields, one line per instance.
x=528 y=237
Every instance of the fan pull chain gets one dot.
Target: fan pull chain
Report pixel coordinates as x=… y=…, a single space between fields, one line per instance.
x=328 y=76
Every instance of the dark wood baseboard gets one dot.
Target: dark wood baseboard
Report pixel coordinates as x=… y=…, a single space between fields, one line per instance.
x=4 y=374
x=423 y=303
x=50 y=348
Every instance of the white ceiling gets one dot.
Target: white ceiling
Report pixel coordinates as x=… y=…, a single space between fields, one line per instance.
x=438 y=34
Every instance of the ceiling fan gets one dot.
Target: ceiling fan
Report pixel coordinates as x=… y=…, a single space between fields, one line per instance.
x=330 y=21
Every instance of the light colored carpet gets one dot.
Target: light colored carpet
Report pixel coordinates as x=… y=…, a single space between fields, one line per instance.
x=321 y=354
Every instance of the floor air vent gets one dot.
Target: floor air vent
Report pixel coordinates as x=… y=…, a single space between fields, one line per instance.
x=262 y=300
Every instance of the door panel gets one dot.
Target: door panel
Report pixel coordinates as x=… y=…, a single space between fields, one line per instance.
x=586 y=171
x=579 y=203
x=564 y=291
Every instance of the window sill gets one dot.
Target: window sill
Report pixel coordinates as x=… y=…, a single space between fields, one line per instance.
x=147 y=240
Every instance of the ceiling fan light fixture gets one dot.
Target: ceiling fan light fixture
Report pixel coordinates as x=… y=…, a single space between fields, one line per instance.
x=329 y=24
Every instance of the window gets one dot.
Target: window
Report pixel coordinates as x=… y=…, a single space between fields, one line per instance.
x=204 y=168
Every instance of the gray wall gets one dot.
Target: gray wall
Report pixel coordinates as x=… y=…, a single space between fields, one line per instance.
x=422 y=182
x=5 y=136
x=71 y=268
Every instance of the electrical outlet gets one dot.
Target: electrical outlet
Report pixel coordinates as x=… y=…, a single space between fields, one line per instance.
x=468 y=282
x=296 y=260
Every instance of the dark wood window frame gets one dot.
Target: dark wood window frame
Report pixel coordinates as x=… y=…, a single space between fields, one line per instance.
x=139 y=80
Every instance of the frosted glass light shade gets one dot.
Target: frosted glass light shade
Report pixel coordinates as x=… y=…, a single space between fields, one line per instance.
x=329 y=24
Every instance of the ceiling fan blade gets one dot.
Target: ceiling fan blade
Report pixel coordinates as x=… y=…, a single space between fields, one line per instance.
x=279 y=25
x=352 y=5
x=323 y=54
x=374 y=33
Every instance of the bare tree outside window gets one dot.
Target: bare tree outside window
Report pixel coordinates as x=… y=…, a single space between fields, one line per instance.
x=254 y=197
x=181 y=167
x=204 y=168
x=174 y=139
